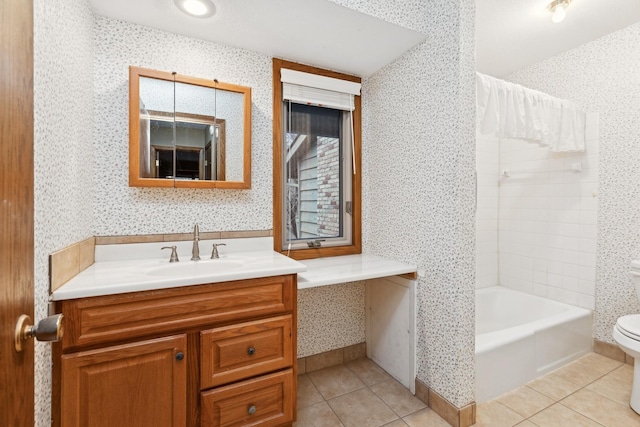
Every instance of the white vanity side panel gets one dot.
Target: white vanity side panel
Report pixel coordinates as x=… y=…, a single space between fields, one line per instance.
x=390 y=327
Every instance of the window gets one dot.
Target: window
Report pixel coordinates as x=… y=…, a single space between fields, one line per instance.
x=317 y=140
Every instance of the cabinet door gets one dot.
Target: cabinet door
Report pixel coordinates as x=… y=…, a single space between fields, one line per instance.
x=138 y=384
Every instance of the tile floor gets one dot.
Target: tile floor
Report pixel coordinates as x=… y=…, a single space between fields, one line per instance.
x=359 y=394
x=592 y=391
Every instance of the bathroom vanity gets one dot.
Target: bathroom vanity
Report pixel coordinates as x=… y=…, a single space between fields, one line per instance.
x=207 y=354
x=206 y=343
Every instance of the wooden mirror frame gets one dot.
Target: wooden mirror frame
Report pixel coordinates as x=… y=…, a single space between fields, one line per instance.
x=135 y=180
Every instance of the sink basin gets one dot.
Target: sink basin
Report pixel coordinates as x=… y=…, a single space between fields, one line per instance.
x=195 y=268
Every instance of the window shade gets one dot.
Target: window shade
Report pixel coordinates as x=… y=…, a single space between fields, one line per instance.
x=305 y=88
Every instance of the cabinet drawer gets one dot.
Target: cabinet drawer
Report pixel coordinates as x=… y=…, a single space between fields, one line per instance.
x=266 y=401
x=99 y=320
x=246 y=350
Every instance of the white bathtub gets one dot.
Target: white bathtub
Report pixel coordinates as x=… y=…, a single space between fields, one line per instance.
x=520 y=337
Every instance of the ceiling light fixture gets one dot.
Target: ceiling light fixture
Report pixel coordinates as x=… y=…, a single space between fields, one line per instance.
x=558 y=8
x=197 y=8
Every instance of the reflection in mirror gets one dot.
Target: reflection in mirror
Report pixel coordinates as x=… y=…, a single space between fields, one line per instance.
x=192 y=132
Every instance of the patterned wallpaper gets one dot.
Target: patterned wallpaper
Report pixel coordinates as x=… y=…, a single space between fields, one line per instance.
x=424 y=100
x=417 y=127
x=418 y=181
x=120 y=209
x=608 y=82
x=68 y=167
x=63 y=167
x=406 y=13
x=330 y=317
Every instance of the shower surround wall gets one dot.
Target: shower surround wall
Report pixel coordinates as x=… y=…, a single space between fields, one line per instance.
x=488 y=172
x=603 y=76
x=548 y=220
x=536 y=229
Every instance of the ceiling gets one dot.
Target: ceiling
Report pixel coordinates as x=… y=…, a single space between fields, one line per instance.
x=317 y=32
x=513 y=34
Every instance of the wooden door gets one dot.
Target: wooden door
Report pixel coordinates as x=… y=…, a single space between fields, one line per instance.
x=16 y=208
x=142 y=384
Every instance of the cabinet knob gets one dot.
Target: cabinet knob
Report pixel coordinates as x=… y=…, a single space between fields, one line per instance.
x=251 y=351
x=179 y=356
x=252 y=409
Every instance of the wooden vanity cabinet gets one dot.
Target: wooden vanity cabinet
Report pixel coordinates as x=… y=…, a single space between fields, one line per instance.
x=142 y=383
x=207 y=355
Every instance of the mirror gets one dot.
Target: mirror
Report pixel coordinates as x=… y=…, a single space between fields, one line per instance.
x=188 y=132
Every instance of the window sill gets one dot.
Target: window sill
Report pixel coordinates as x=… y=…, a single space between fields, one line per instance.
x=350 y=268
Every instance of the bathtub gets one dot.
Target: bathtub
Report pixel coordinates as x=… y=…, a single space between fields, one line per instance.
x=520 y=337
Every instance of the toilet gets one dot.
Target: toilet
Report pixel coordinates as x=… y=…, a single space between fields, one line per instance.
x=626 y=333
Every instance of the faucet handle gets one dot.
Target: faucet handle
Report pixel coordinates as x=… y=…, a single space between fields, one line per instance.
x=174 y=253
x=214 y=254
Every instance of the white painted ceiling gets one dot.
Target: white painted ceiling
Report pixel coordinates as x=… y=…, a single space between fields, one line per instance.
x=513 y=34
x=317 y=32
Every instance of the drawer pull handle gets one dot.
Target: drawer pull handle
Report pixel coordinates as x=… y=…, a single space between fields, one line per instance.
x=179 y=356
x=251 y=351
x=252 y=410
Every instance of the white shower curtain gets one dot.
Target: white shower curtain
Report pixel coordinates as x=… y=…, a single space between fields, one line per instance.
x=508 y=110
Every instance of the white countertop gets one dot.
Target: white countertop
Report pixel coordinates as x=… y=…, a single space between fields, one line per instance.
x=137 y=267
x=349 y=268
x=116 y=277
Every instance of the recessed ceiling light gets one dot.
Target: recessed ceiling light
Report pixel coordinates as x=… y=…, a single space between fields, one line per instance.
x=558 y=9
x=197 y=8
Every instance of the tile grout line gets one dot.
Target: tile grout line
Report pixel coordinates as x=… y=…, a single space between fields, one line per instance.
x=366 y=386
x=585 y=415
x=369 y=386
x=571 y=394
x=559 y=401
x=579 y=413
x=334 y=413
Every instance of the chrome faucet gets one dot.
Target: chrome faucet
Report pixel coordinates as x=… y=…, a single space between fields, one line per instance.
x=214 y=254
x=174 y=253
x=195 y=252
